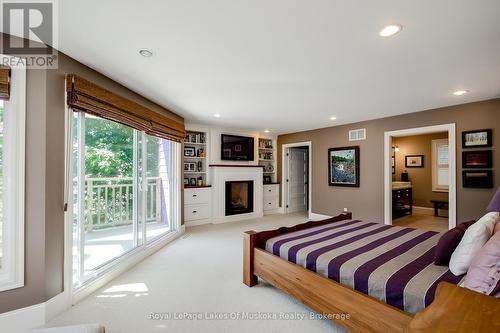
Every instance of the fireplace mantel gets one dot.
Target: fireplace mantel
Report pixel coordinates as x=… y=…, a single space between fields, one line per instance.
x=234 y=166
x=222 y=173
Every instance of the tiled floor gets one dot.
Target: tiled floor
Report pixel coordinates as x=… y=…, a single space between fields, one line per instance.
x=420 y=221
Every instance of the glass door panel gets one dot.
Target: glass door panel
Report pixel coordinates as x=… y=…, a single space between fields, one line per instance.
x=122 y=192
x=157 y=196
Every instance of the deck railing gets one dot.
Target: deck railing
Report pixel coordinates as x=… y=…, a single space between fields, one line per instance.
x=109 y=201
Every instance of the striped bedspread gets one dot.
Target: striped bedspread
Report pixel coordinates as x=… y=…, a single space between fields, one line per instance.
x=390 y=263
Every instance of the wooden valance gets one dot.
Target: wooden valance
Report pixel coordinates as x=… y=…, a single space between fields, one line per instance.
x=88 y=97
x=4 y=82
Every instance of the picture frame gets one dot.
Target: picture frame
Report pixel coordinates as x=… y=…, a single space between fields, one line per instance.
x=192 y=181
x=186 y=181
x=477 y=159
x=189 y=152
x=477 y=138
x=267 y=180
x=343 y=166
x=414 y=161
x=189 y=167
x=477 y=179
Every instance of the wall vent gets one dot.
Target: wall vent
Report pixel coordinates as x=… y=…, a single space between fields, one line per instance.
x=357 y=134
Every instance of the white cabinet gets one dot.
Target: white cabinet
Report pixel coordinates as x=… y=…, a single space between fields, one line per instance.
x=271 y=198
x=197 y=207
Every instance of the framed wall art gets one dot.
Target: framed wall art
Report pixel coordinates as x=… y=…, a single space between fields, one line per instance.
x=343 y=166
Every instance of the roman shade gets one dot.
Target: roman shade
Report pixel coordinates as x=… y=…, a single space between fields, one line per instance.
x=4 y=82
x=85 y=96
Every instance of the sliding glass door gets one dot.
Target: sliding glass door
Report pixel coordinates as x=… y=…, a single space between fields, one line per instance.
x=123 y=192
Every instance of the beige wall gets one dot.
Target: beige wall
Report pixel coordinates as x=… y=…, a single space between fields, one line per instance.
x=44 y=221
x=421 y=178
x=367 y=201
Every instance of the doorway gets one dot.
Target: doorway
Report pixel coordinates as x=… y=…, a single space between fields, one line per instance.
x=420 y=177
x=296 y=177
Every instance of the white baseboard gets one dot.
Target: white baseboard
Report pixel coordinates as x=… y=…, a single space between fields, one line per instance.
x=273 y=211
x=318 y=217
x=57 y=305
x=423 y=210
x=197 y=222
x=23 y=319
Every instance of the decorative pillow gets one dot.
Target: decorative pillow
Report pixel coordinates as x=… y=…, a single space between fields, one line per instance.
x=474 y=238
x=497 y=227
x=484 y=272
x=448 y=243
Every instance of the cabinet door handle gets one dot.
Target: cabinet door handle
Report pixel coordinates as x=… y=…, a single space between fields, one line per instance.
x=269 y=190
x=195 y=195
x=194 y=212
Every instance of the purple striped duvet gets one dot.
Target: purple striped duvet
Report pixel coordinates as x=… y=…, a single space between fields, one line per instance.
x=390 y=263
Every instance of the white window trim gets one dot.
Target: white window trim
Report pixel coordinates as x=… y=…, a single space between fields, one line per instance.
x=435 y=166
x=12 y=271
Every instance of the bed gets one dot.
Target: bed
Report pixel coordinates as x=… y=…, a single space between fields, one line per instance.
x=390 y=263
x=378 y=275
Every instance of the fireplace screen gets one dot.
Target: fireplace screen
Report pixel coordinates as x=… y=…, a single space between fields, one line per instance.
x=239 y=197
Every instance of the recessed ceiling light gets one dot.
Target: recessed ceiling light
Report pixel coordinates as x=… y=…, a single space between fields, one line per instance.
x=217 y=115
x=390 y=30
x=460 y=92
x=333 y=118
x=146 y=53
x=267 y=131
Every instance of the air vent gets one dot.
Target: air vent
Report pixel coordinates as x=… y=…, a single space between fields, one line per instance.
x=357 y=134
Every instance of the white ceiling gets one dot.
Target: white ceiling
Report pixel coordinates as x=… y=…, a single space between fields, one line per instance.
x=288 y=65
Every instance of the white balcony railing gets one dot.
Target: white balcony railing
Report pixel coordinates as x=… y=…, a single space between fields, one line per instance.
x=109 y=202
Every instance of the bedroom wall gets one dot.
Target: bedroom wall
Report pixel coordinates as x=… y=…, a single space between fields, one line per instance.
x=367 y=201
x=421 y=178
x=44 y=216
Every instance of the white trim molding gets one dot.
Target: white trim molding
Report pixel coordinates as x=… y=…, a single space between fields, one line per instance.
x=12 y=261
x=284 y=174
x=452 y=194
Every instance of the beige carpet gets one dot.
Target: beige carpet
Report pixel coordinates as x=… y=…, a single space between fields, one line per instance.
x=199 y=274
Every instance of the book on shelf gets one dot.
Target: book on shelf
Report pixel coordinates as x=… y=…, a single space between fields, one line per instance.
x=192 y=137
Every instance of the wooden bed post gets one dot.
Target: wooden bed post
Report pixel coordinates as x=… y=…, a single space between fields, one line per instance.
x=249 y=240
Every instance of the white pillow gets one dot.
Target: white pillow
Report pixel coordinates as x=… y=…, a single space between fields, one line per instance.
x=474 y=238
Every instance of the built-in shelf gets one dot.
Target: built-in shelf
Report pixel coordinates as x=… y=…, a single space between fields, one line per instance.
x=198 y=148
x=267 y=158
x=201 y=186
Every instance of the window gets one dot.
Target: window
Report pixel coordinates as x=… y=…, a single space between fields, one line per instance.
x=440 y=168
x=12 y=141
x=124 y=192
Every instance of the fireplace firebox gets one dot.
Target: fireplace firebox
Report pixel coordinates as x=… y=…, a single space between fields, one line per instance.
x=239 y=197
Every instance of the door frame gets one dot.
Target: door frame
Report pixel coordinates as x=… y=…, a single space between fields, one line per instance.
x=284 y=174
x=452 y=191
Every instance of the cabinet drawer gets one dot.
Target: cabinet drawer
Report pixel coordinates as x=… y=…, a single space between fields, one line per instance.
x=270 y=204
x=196 y=212
x=271 y=190
x=194 y=196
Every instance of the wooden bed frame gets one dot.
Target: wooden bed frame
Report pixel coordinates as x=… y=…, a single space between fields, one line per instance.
x=323 y=295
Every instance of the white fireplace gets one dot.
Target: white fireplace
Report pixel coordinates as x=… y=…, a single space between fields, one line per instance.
x=223 y=177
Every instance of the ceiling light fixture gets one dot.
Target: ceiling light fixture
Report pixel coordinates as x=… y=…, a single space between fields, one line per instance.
x=267 y=131
x=460 y=92
x=146 y=53
x=333 y=118
x=217 y=115
x=390 y=30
